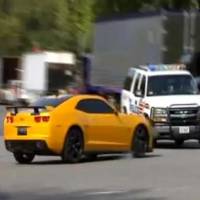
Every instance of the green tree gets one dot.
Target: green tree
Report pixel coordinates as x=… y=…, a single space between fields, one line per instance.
x=110 y=7
x=65 y=24
x=58 y=25
x=44 y=22
x=81 y=17
x=51 y=24
x=10 y=35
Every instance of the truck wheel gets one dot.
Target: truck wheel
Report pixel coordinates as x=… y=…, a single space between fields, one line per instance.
x=73 y=147
x=140 y=142
x=179 y=142
x=23 y=158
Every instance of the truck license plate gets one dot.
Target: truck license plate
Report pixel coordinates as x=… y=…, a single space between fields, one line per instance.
x=184 y=129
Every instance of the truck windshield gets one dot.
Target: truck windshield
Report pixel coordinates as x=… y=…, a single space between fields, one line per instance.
x=171 y=85
x=46 y=101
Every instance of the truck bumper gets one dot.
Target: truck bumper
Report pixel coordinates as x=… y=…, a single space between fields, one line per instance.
x=173 y=132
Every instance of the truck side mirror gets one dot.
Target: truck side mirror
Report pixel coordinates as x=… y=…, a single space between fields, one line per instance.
x=138 y=93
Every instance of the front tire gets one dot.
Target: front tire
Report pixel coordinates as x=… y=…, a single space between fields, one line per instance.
x=179 y=142
x=23 y=158
x=91 y=157
x=140 y=142
x=73 y=147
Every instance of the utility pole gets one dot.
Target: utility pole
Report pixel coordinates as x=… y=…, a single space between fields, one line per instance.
x=192 y=30
x=189 y=31
x=186 y=32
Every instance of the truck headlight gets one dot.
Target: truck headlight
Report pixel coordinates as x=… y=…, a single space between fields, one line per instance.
x=159 y=115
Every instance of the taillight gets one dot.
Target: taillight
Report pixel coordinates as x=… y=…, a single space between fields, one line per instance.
x=45 y=118
x=38 y=118
x=10 y=119
x=42 y=119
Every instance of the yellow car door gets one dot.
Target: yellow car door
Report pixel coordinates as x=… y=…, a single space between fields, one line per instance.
x=110 y=131
x=105 y=129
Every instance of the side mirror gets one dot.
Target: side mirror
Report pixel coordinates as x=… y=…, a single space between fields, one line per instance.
x=138 y=93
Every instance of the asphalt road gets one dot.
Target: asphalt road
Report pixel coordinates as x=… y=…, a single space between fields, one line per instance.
x=168 y=173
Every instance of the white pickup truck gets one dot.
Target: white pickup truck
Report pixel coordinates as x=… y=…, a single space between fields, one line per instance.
x=168 y=96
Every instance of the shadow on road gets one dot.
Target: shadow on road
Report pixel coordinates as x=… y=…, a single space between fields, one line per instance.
x=153 y=155
x=171 y=145
x=98 y=159
x=101 y=158
x=54 y=193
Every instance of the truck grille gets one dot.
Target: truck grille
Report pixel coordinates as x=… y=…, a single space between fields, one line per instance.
x=183 y=116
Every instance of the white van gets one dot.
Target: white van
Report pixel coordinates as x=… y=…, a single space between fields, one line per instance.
x=168 y=96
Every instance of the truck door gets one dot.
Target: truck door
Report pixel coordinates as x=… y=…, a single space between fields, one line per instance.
x=131 y=97
x=138 y=92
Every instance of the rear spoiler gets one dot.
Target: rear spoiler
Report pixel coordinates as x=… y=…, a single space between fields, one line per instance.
x=15 y=109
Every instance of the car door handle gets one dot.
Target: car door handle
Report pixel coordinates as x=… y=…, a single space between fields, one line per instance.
x=58 y=125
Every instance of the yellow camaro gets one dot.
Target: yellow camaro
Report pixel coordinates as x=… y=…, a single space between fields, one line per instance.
x=73 y=127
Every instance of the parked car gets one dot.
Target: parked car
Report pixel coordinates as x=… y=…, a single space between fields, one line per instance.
x=73 y=127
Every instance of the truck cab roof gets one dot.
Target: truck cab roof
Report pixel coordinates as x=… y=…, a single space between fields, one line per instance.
x=160 y=69
x=160 y=73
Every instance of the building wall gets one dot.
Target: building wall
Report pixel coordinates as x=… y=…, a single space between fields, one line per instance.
x=157 y=38
x=121 y=44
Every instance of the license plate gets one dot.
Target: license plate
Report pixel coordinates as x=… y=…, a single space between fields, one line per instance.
x=22 y=131
x=184 y=130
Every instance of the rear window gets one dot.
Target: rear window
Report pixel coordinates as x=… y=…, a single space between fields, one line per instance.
x=52 y=101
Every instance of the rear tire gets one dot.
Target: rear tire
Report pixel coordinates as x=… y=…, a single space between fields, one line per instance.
x=73 y=147
x=23 y=158
x=140 y=142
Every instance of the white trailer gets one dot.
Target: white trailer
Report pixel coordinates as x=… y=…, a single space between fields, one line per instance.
x=45 y=71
